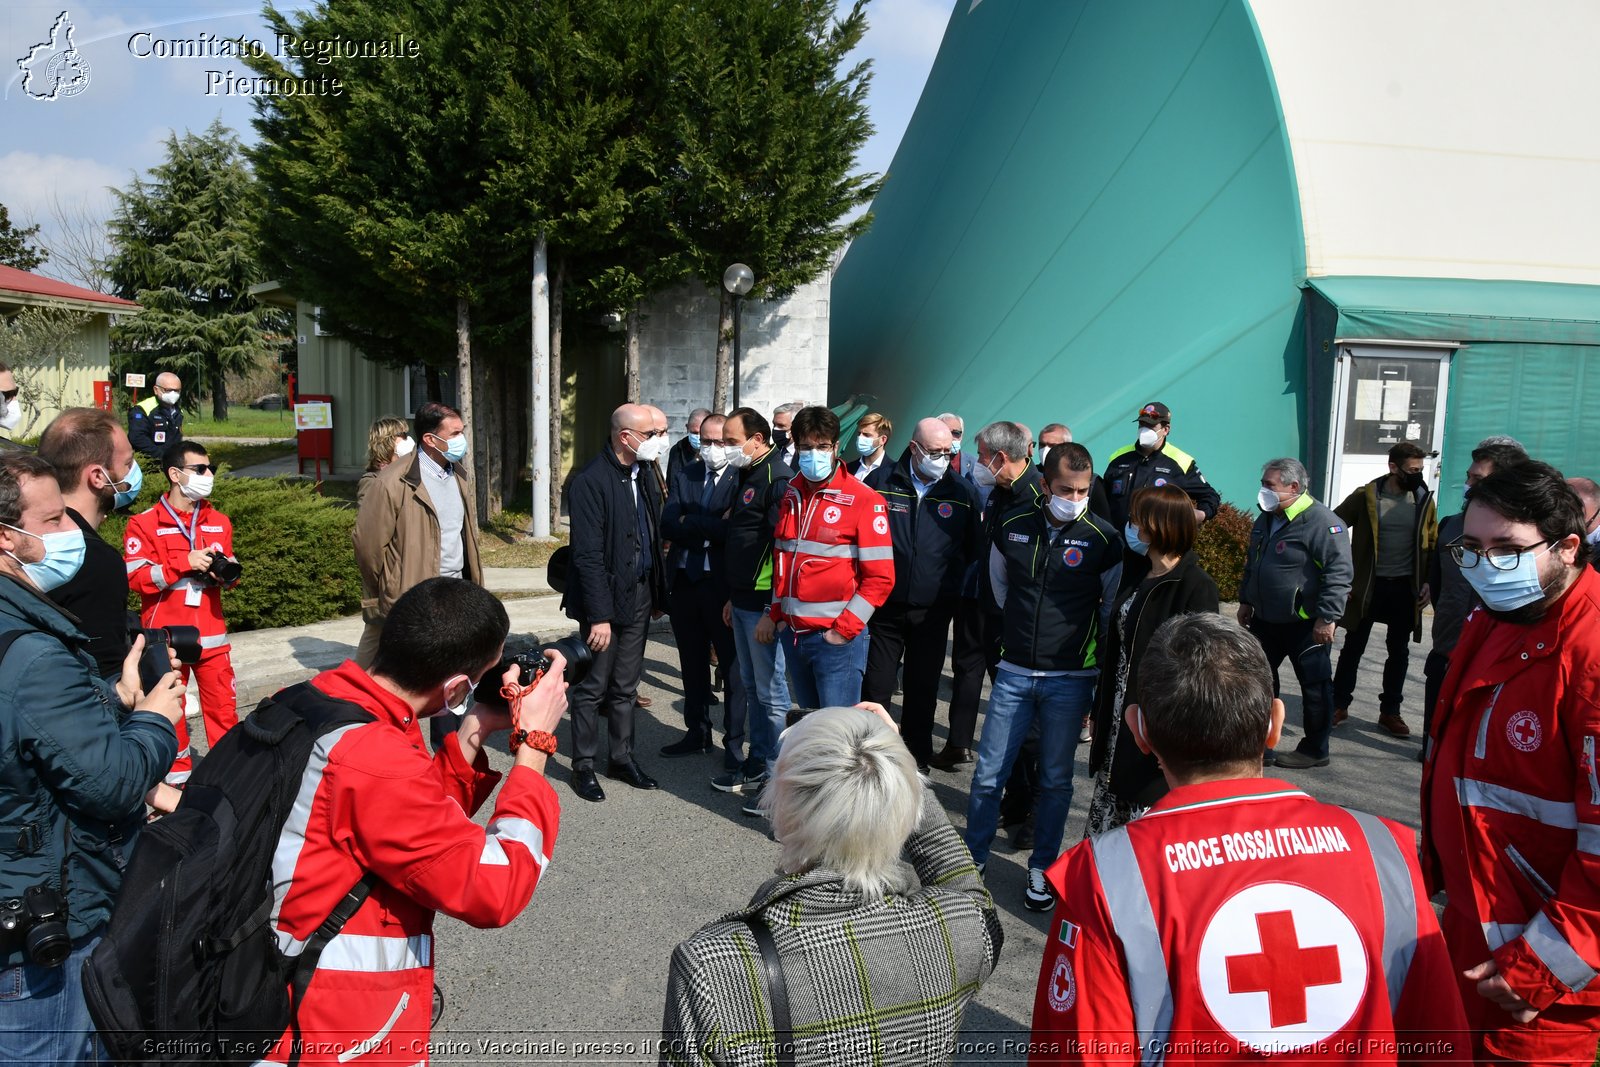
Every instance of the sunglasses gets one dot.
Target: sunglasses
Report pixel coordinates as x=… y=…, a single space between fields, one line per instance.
x=9 y=394
x=201 y=468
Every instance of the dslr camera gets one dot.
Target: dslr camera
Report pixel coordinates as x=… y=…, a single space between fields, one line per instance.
x=535 y=662
x=154 y=662
x=226 y=571
x=38 y=921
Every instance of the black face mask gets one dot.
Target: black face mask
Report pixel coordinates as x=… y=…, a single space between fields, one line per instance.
x=780 y=439
x=1411 y=482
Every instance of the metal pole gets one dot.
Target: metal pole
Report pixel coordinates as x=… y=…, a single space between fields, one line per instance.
x=540 y=429
x=737 y=303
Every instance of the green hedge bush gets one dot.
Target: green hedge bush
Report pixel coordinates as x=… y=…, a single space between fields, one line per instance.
x=1222 y=547
x=299 y=565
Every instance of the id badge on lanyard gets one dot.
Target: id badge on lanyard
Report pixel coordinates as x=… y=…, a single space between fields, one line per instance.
x=193 y=593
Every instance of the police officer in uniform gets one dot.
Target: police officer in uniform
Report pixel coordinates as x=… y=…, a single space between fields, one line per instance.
x=1153 y=460
x=155 y=423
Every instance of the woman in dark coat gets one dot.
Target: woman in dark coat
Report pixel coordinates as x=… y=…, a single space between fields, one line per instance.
x=1162 y=526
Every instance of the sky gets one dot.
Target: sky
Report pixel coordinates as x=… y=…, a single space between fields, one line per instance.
x=60 y=156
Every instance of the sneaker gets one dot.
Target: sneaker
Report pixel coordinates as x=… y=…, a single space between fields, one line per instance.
x=739 y=782
x=1087 y=733
x=752 y=801
x=1038 y=896
x=981 y=866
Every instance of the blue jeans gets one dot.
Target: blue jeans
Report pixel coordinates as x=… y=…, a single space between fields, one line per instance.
x=766 y=689
x=824 y=675
x=1015 y=701
x=43 y=1016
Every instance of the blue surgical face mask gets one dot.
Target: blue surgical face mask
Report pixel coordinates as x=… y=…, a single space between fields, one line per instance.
x=455 y=449
x=1505 y=590
x=694 y=442
x=63 y=555
x=1130 y=534
x=134 y=481
x=816 y=464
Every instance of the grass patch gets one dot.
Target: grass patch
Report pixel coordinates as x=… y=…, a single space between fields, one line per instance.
x=503 y=542
x=241 y=422
x=236 y=456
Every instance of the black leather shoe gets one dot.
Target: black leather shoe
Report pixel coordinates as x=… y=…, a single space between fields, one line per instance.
x=631 y=773
x=950 y=757
x=587 y=786
x=693 y=744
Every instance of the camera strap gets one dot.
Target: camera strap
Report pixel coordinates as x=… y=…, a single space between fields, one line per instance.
x=177 y=520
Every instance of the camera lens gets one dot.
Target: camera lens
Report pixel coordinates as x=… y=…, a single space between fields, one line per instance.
x=48 y=944
x=579 y=656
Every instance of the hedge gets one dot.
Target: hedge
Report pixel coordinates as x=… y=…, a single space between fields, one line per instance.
x=1222 y=549
x=299 y=565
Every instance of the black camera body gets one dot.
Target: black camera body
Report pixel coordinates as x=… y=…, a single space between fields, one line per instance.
x=38 y=920
x=154 y=662
x=226 y=571
x=535 y=661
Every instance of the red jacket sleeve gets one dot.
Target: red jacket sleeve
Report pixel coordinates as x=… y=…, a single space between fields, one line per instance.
x=468 y=784
x=1429 y=1022
x=874 y=564
x=150 y=570
x=1082 y=1012
x=422 y=842
x=786 y=530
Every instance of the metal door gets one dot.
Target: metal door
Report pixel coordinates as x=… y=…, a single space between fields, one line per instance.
x=1385 y=394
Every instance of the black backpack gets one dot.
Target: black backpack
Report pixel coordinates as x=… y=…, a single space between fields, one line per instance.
x=189 y=970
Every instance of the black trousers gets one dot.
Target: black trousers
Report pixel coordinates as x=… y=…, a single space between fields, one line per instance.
x=1313 y=668
x=919 y=635
x=969 y=658
x=1393 y=605
x=697 y=624
x=614 y=682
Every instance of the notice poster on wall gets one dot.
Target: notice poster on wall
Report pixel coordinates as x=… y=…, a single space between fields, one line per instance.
x=316 y=415
x=1383 y=401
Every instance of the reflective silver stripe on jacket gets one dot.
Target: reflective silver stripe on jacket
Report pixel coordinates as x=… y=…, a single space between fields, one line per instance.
x=1134 y=923
x=1589 y=838
x=377 y=955
x=156 y=574
x=286 y=857
x=1556 y=953
x=811 y=609
x=511 y=829
x=1399 y=903
x=1497 y=934
x=860 y=607
x=214 y=641
x=825 y=551
x=1475 y=794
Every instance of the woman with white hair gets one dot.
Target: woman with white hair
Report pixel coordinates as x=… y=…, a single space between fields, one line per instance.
x=873 y=937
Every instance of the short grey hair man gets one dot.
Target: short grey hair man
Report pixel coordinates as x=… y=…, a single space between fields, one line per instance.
x=1289 y=470
x=791 y=409
x=696 y=418
x=1007 y=437
x=845 y=796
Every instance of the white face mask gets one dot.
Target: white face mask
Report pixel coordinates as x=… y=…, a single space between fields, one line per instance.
x=982 y=476
x=1148 y=437
x=715 y=456
x=199 y=486
x=1268 y=499
x=404 y=446
x=170 y=397
x=932 y=468
x=1593 y=536
x=1066 y=510
x=738 y=458
x=650 y=448
x=12 y=415
x=866 y=444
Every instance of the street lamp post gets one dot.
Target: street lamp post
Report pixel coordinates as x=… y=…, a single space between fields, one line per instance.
x=738 y=280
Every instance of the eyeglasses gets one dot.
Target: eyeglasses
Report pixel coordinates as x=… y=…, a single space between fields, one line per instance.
x=956 y=434
x=201 y=468
x=1501 y=559
x=10 y=394
x=945 y=454
x=819 y=446
x=647 y=434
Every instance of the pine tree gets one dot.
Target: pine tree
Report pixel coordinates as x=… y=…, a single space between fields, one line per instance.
x=185 y=246
x=15 y=251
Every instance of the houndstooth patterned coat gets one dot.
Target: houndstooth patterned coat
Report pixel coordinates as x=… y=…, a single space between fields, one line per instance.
x=876 y=982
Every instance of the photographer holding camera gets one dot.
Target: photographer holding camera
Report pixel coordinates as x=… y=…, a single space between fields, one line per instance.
x=74 y=767
x=179 y=559
x=373 y=804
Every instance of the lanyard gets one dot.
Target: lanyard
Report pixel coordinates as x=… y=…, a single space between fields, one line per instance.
x=194 y=521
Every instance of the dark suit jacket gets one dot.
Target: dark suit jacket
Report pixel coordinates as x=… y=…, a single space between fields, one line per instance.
x=605 y=540
x=686 y=523
x=879 y=475
x=680 y=456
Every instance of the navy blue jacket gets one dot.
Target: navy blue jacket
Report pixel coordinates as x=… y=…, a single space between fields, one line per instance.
x=605 y=540
x=687 y=524
x=74 y=765
x=935 y=539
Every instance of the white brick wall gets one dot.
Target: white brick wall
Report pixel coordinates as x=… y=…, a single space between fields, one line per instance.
x=785 y=350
